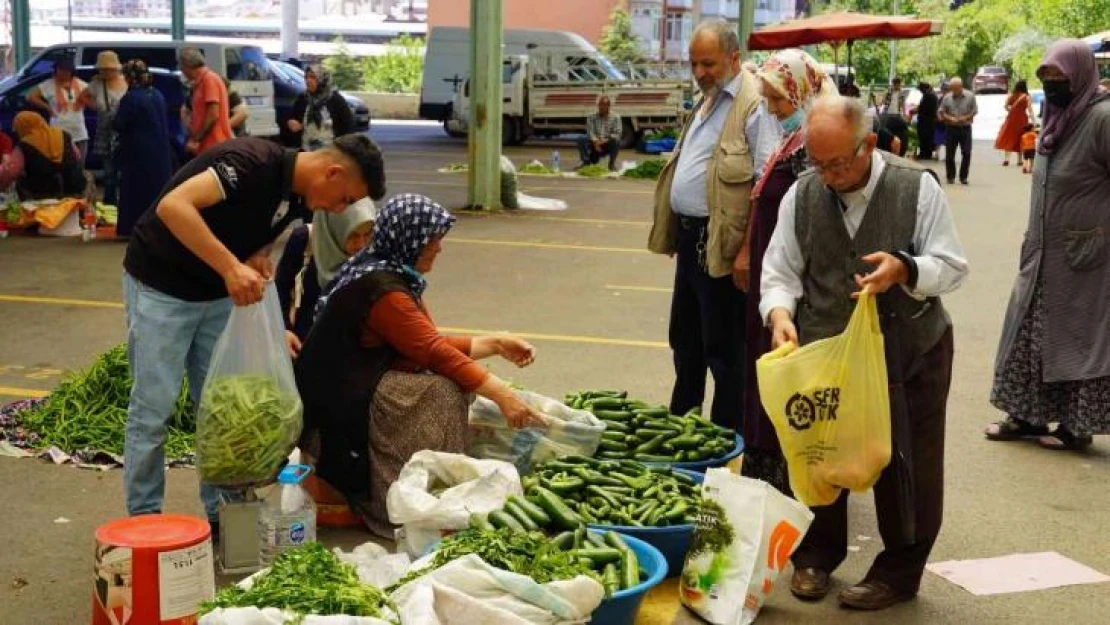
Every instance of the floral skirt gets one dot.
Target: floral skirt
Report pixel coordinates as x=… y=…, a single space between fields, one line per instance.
x=410 y=412
x=1082 y=407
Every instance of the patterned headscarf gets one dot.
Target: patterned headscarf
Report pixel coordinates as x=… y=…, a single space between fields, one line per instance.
x=796 y=76
x=319 y=99
x=404 y=228
x=1074 y=58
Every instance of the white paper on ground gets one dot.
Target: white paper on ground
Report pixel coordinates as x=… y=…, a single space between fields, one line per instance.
x=1018 y=572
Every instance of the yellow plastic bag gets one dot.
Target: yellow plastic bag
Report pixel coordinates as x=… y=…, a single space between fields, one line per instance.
x=830 y=406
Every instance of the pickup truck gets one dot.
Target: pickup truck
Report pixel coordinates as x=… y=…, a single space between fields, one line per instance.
x=537 y=102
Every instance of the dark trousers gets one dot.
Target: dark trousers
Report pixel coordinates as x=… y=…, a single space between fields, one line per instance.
x=926 y=132
x=826 y=544
x=957 y=136
x=706 y=331
x=591 y=155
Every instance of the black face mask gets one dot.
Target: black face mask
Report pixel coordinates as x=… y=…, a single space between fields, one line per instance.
x=1058 y=92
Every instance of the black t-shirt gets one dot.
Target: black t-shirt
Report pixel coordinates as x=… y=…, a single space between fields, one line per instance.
x=256 y=177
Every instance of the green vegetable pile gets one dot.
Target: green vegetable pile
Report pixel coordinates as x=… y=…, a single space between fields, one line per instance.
x=13 y=211
x=593 y=171
x=662 y=133
x=635 y=429
x=536 y=167
x=88 y=411
x=649 y=169
x=605 y=558
x=456 y=167
x=307 y=580
x=610 y=492
x=246 y=428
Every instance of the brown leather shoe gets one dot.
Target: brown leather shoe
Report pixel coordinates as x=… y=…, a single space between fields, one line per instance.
x=809 y=584
x=872 y=596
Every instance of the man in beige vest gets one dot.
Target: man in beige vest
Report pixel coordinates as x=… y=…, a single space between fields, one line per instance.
x=863 y=218
x=701 y=217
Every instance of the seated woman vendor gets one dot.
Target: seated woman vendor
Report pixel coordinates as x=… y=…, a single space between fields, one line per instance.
x=313 y=255
x=376 y=376
x=44 y=164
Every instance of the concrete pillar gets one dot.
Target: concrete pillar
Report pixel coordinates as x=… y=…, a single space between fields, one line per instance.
x=747 y=25
x=177 y=20
x=21 y=32
x=290 y=28
x=485 y=104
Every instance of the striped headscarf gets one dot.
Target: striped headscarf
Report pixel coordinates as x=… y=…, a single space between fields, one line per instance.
x=404 y=227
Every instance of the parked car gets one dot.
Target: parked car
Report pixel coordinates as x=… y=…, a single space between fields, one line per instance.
x=289 y=83
x=13 y=100
x=990 y=78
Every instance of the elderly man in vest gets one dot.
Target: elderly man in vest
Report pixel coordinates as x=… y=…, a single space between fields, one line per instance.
x=701 y=216
x=862 y=218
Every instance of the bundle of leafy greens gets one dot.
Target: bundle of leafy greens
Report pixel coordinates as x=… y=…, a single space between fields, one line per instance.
x=531 y=554
x=308 y=580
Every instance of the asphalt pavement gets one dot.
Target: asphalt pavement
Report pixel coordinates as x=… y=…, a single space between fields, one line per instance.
x=581 y=286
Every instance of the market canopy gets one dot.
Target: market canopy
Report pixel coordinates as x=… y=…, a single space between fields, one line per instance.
x=841 y=26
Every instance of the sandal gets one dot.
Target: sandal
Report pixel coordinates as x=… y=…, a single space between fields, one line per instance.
x=1005 y=163
x=1013 y=430
x=1063 y=440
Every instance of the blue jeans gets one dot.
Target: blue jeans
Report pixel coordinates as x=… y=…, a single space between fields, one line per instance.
x=167 y=339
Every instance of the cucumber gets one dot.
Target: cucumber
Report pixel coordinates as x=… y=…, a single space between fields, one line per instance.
x=534 y=512
x=630 y=569
x=616 y=426
x=564 y=541
x=500 y=518
x=610 y=445
x=612 y=415
x=561 y=514
x=521 y=516
x=599 y=556
x=615 y=541
x=611 y=579
x=479 y=522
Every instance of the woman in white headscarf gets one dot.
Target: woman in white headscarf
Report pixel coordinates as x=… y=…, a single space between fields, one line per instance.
x=312 y=256
x=790 y=81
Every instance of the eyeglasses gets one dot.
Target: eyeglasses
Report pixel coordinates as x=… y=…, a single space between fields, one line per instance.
x=840 y=165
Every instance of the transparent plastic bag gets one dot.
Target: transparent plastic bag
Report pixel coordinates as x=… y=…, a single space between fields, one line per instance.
x=567 y=432
x=249 y=416
x=830 y=404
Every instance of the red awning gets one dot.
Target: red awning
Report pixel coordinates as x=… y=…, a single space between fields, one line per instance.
x=842 y=26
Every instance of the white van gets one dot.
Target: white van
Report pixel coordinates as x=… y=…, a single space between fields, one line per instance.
x=245 y=67
x=447 y=61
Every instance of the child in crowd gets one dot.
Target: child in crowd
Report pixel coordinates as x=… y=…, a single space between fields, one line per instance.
x=1028 y=148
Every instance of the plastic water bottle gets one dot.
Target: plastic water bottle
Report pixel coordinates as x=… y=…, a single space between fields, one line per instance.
x=555 y=160
x=88 y=225
x=287 y=518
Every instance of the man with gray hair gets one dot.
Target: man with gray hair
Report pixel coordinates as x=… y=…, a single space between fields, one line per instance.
x=957 y=111
x=702 y=207
x=864 y=219
x=209 y=122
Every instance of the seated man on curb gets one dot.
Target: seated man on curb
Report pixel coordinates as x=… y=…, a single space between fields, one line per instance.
x=603 y=136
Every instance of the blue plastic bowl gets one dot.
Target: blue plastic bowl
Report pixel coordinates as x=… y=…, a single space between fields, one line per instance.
x=701 y=465
x=624 y=605
x=672 y=541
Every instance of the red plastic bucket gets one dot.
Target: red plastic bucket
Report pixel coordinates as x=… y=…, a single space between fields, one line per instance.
x=152 y=569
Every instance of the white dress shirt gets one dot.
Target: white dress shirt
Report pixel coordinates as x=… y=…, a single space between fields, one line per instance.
x=941 y=263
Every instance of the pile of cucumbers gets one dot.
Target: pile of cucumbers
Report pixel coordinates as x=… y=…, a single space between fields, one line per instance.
x=636 y=430
x=610 y=492
x=616 y=565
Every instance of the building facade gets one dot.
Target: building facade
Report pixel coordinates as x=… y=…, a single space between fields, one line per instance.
x=584 y=17
x=665 y=26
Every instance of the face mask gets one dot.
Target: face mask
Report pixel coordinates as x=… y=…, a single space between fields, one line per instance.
x=792 y=123
x=1058 y=92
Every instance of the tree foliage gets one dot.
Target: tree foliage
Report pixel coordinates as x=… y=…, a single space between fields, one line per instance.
x=400 y=69
x=346 y=70
x=618 y=42
x=1012 y=33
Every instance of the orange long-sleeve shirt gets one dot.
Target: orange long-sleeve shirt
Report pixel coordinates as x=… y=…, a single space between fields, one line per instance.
x=398 y=321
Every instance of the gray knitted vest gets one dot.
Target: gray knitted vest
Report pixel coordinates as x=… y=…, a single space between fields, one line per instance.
x=832 y=257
